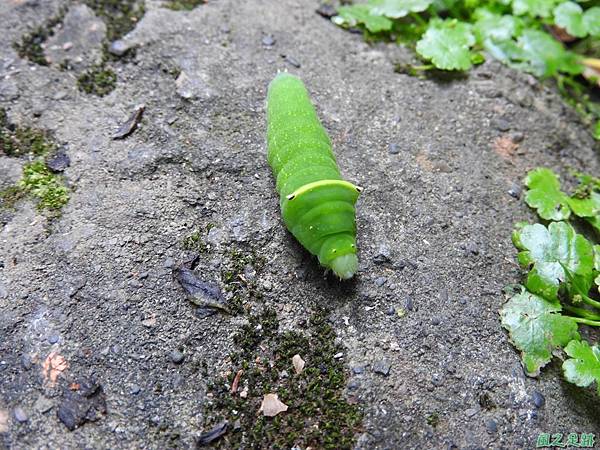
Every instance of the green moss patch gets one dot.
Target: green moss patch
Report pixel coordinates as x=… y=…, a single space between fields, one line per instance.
x=99 y=81
x=318 y=415
x=37 y=180
x=186 y=5
x=238 y=275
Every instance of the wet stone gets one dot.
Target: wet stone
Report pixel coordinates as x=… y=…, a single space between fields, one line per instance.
x=358 y=370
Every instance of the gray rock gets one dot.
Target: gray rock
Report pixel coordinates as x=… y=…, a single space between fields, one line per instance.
x=393 y=148
x=20 y=415
x=58 y=162
x=501 y=124
x=268 y=40
x=380 y=281
x=43 y=404
x=538 y=399
x=176 y=356
x=194 y=85
x=491 y=426
x=79 y=40
x=118 y=47
x=382 y=367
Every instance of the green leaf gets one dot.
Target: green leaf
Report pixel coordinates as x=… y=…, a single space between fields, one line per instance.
x=585 y=207
x=550 y=249
x=591 y=21
x=395 y=9
x=569 y=15
x=541 y=8
x=597 y=257
x=494 y=26
x=355 y=15
x=447 y=45
x=583 y=368
x=545 y=56
x=545 y=196
x=536 y=329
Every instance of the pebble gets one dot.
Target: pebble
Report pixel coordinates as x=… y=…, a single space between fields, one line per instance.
x=491 y=426
x=338 y=355
x=435 y=321
x=391 y=311
x=393 y=148
x=358 y=370
x=20 y=415
x=169 y=262
x=58 y=162
x=26 y=361
x=53 y=339
x=292 y=61
x=353 y=385
x=517 y=137
x=326 y=10
x=176 y=356
x=409 y=303
x=382 y=367
x=268 y=40
x=501 y=124
x=118 y=47
x=135 y=389
x=380 y=281
x=471 y=412
x=538 y=399
x=43 y=404
x=515 y=191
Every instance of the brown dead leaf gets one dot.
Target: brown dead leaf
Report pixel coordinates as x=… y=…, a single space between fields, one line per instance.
x=298 y=363
x=505 y=147
x=271 y=405
x=560 y=34
x=236 y=381
x=53 y=366
x=74 y=386
x=3 y=421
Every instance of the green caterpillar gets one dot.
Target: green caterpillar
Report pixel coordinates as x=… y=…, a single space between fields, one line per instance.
x=316 y=204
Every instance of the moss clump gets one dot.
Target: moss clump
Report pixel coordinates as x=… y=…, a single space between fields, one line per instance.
x=30 y=46
x=186 y=5
x=195 y=240
x=47 y=187
x=237 y=281
x=17 y=141
x=10 y=196
x=318 y=416
x=120 y=16
x=98 y=80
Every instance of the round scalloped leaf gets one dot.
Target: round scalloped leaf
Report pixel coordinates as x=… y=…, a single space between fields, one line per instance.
x=395 y=9
x=545 y=196
x=494 y=26
x=447 y=45
x=351 y=16
x=586 y=207
x=545 y=56
x=550 y=249
x=583 y=368
x=536 y=328
x=591 y=21
x=541 y=8
x=569 y=15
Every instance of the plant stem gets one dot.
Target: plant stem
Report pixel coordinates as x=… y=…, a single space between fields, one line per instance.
x=418 y=19
x=582 y=312
x=590 y=302
x=593 y=323
x=423 y=67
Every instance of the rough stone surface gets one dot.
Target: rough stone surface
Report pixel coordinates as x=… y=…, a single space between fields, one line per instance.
x=200 y=159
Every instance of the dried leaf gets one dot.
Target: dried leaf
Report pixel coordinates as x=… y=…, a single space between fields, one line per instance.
x=298 y=363
x=505 y=147
x=236 y=381
x=131 y=124
x=271 y=405
x=53 y=366
x=216 y=432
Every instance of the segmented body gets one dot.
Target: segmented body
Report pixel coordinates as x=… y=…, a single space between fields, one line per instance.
x=316 y=204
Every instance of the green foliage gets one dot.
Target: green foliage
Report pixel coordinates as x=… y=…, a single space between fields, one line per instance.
x=451 y=36
x=447 y=44
x=185 y=5
x=583 y=368
x=562 y=285
x=536 y=328
x=31 y=43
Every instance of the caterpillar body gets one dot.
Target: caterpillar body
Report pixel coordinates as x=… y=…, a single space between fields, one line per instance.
x=317 y=205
